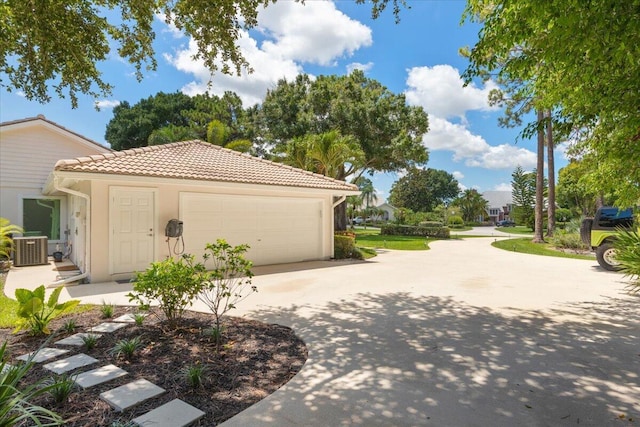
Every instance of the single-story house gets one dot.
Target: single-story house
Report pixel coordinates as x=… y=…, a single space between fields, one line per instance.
x=29 y=149
x=387 y=212
x=500 y=205
x=120 y=204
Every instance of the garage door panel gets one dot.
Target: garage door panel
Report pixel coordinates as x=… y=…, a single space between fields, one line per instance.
x=277 y=229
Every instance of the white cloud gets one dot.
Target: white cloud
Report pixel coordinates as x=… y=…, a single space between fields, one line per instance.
x=462 y=187
x=106 y=104
x=457 y=175
x=358 y=66
x=503 y=186
x=441 y=92
x=293 y=33
x=474 y=149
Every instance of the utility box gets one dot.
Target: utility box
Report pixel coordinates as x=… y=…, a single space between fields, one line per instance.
x=30 y=251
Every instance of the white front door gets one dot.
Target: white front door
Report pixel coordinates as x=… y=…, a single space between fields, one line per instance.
x=131 y=229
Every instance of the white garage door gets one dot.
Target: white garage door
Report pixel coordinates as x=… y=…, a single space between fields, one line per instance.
x=277 y=229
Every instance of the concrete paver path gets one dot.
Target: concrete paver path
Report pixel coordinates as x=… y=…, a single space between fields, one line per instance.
x=462 y=335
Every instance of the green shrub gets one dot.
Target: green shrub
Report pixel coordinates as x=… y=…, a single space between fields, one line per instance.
x=60 y=388
x=35 y=313
x=567 y=240
x=194 y=375
x=627 y=246
x=227 y=281
x=6 y=242
x=127 y=347
x=16 y=398
x=106 y=310
x=422 y=231
x=455 y=221
x=69 y=325
x=90 y=341
x=430 y=224
x=343 y=246
x=172 y=284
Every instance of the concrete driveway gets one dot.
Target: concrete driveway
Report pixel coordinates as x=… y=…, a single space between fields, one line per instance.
x=461 y=335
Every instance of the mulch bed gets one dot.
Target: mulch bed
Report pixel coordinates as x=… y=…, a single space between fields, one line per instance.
x=254 y=360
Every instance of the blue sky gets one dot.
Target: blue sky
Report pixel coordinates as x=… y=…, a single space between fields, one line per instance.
x=418 y=57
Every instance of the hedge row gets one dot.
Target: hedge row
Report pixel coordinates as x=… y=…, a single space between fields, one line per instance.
x=437 y=232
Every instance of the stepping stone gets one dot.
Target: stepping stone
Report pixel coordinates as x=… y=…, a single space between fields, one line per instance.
x=108 y=327
x=44 y=354
x=128 y=318
x=70 y=363
x=128 y=395
x=173 y=414
x=99 y=376
x=76 y=339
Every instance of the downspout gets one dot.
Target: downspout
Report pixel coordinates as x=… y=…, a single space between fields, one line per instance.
x=87 y=235
x=333 y=226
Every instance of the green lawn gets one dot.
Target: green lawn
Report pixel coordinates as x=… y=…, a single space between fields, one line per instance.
x=371 y=238
x=524 y=245
x=518 y=229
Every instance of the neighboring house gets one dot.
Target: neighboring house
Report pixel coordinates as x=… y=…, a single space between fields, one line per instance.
x=500 y=205
x=121 y=203
x=29 y=149
x=388 y=212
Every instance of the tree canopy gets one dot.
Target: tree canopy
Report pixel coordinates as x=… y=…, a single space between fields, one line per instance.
x=421 y=190
x=472 y=205
x=578 y=58
x=170 y=117
x=60 y=44
x=387 y=130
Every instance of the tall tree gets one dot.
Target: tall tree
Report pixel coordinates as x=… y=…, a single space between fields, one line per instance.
x=523 y=193
x=578 y=57
x=573 y=193
x=472 y=205
x=386 y=129
x=551 y=174
x=538 y=236
x=367 y=192
x=76 y=36
x=421 y=190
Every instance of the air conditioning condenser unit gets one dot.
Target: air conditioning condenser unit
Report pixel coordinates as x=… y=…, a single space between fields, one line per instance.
x=30 y=251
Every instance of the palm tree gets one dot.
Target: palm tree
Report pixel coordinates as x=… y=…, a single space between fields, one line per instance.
x=472 y=205
x=6 y=242
x=367 y=191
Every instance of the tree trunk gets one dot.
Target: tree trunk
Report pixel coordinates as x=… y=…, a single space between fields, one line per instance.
x=340 y=217
x=551 y=209
x=538 y=231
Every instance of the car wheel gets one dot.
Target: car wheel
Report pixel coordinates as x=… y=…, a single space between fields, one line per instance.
x=606 y=256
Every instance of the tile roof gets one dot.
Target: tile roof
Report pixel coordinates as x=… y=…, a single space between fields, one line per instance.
x=198 y=160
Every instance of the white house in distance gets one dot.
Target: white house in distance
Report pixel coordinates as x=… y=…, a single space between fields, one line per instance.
x=388 y=212
x=115 y=206
x=29 y=149
x=500 y=205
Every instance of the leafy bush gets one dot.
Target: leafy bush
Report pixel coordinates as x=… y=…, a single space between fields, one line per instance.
x=35 y=313
x=430 y=224
x=6 y=242
x=627 y=246
x=194 y=375
x=228 y=281
x=16 y=398
x=90 y=340
x=455 y=221
x=106 y=310
x=172 y=284
x=407 y=230
x=343 y=246
x=69 y=325
x=564 y=239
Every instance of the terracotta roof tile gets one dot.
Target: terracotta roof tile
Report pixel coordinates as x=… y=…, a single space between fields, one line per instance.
x=199 y=160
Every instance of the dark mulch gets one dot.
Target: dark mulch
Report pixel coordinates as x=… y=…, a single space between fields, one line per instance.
x=254 y=360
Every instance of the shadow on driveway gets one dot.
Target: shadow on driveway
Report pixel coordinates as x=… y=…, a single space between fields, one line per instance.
x=403 y=360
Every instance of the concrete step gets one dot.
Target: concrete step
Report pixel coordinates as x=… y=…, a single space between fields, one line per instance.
x=76 y=339
x=99 y=376
x=128 y=395
x=43 y=354
x=70 y=363
x=128 y=318
x=108 y=327
x=173 y=414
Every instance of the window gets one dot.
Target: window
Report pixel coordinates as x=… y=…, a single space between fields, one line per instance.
x=494 y=212
x=612 y=217
x=41 y=217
